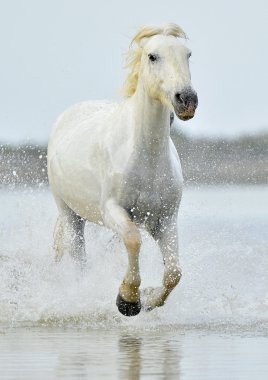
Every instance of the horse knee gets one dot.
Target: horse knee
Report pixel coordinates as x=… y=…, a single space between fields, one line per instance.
x=172 y=278
x=132 y=238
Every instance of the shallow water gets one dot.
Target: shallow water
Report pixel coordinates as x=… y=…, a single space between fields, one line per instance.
x=66 y=325
x=90 y=354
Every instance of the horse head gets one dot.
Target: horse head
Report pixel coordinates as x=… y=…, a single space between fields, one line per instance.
x=161 y=62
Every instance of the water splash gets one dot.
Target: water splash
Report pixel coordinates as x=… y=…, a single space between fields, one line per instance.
x=223 y=256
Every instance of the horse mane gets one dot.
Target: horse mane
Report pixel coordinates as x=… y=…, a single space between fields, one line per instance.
x=133 y=56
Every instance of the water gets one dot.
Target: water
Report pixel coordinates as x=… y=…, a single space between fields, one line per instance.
x=59 y=354
x=55 y=323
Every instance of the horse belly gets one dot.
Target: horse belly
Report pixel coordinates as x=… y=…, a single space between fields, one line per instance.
x=77 y=187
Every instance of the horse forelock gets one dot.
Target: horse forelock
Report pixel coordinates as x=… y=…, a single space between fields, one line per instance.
x=133 y=56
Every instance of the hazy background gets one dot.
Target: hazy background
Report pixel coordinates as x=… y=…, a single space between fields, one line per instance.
x=56 y=53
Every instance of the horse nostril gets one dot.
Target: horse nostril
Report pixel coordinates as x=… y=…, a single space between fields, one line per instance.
x=186 y=98
x=179 y=98
x=195 y=99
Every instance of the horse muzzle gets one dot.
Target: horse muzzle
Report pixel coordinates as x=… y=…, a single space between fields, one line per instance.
x=185 y=104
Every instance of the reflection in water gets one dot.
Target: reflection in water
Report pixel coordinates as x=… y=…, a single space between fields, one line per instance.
x=129 y=361
x=149 y=356
x=129 y=356
x=51 y=354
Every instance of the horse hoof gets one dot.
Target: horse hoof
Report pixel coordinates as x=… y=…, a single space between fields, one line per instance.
x=128 y=309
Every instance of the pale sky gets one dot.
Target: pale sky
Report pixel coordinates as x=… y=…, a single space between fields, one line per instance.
x=55 y=53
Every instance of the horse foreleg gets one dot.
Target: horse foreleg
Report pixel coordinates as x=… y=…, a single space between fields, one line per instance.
x=128 y=299
x=168 y=243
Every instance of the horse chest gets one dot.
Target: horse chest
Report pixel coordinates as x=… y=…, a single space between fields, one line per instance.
x=151 y=196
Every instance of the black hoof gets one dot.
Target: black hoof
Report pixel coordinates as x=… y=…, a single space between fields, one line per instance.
x=128 y=309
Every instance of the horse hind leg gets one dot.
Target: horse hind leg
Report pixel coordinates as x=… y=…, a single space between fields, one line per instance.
x=58 y=244
x=69 y=235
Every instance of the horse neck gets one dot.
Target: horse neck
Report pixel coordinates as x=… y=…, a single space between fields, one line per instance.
x=151 y=124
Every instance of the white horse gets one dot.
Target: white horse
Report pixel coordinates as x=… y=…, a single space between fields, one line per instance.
x=115 y=164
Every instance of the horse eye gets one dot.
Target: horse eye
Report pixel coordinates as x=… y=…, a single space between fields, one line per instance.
x=189 y=55
x=152 y=57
